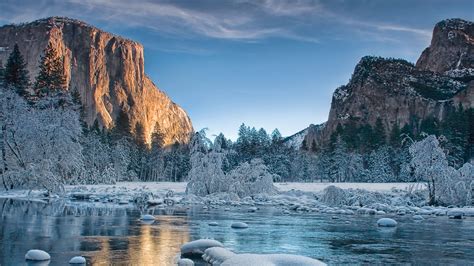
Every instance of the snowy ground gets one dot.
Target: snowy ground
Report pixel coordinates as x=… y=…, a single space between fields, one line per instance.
x=341 y=198
x=318 y=187
x=180 y=187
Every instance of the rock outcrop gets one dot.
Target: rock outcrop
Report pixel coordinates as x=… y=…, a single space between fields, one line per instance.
x=396 y=91
x=107 y=71
x=452 y=47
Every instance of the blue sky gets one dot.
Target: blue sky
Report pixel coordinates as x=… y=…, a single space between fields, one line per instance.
x=268 y=63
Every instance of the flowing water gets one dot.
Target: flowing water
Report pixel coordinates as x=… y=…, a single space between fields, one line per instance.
x=107 y=236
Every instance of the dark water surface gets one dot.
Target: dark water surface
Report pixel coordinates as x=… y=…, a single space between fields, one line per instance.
x=115 y=236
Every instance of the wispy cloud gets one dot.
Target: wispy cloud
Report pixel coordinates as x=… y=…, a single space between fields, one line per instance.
x=238 y=20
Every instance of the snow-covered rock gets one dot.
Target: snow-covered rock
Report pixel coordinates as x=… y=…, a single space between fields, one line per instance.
x=469 y=212
x=271 y=260
x=77 y=260
x=37 y=255
x=364 y=210
x=418 y=218
x=147 y=217
x=217 y=255
x=185 y=262
x=252 y=209
x=387 y=222
x=213 y=223
x=198 y=247
x=239 y=225
x=455 y=214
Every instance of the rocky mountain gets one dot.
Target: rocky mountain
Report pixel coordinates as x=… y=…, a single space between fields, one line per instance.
x=399 y=93
x=107 y=71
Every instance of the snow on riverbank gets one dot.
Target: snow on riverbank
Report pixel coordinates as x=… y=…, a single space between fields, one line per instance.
x=180 y=188
x=318 y=187
x=327 y=198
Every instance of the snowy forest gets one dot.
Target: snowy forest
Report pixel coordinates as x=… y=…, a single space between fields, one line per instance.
x=45 y=144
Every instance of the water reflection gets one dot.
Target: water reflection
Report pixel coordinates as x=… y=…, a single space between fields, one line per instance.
x=116 y=236
x=103 y=235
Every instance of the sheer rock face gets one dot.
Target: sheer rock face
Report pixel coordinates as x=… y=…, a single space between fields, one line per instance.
x=106 y=70
x=396 y=91
x=452 y=47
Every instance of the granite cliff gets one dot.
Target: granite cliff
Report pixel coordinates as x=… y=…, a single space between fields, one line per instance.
x=396 y=91
x=108 y=73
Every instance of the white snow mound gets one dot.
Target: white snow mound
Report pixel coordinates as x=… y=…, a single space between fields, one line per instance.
x=271 y=260
x=185 y=262
x=37 y=255
x=198 y=247
x=455 y=214
x=77 y=260
x=387 y=222
x=147 y=217
x=217 y=255
x=239 y=225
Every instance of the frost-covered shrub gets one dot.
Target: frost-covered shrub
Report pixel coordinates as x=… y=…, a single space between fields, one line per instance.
x=252 y=178
x=334 y=196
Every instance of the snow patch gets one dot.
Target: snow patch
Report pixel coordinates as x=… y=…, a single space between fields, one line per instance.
x=198 y=247
x=271 y=260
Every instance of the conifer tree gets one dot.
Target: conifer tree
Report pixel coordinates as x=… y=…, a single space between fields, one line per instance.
x=51 y=78
x=2 y=73
x=16 y=74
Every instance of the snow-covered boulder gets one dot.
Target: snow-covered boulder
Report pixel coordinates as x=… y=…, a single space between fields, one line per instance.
x=239 y=225
x=37 y=255
x=387 y=222
x=147 y=217
x=213 y=224
x=418 y=218
x=252 y=209
x=271 y=260
x=364 y=210
x=455 y=213
x=185 y=262
x=217 y=255
x=77 y=260
x=469 y=212
x=154 y=202
x=198 y=247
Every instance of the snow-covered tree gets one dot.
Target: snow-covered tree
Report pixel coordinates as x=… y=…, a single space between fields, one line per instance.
x=430 y=164
x=206 y=175
x=252 y=178
x=379 y=169
x=445 y=184
x=40 y=146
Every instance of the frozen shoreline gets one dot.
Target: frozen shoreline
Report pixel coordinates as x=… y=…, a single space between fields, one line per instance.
x=180 y=188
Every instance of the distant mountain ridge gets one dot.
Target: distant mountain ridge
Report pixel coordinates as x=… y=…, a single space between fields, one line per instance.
x=108 y=73
x=399 y=93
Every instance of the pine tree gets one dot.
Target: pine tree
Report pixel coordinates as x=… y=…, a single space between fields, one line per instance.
x=395 y=136
x=276 y=136
x=2 y=73
x=304 y=145
x=51 y=78
x=378 y=139
x=314 y=147
x=16 y=74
